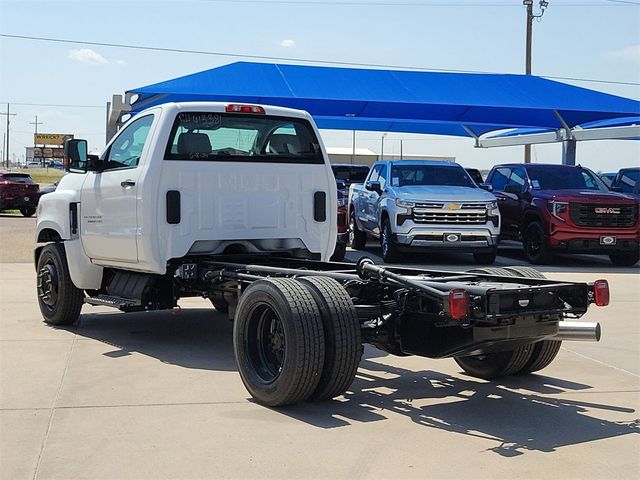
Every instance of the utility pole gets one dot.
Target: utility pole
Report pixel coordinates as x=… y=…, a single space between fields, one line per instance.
x=530 y=16
x=382 y=147
x=353 y=147
x=6 y=147
x=401 y=149
x=36 y=123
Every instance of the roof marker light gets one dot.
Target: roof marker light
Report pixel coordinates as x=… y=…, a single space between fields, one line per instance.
x=601 y=293
x=234 y=108
x=458 y=303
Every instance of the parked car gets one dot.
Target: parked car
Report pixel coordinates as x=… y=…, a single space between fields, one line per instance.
x=18 y=191
x=424 y=204
x=608 y=178
x=49 y=188
x=475 y=174
x=349 y=173
x=565 y=208
x=626 y=181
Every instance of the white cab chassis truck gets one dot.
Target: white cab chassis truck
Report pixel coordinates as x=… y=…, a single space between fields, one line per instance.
x=237 y=203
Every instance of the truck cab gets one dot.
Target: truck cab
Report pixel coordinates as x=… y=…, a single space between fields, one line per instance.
x=195 y=179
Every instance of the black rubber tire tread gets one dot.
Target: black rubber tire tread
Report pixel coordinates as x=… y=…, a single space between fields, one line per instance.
x=496 y=365
x=27 y=211
x=624 y=259
x=544 y=352
x=498 y=271
x=304 y=337
x=393 y=255
x=545 y=255
x=359 y=237
x=343 y=343
x=339 y=252
x=526 y=272
x=70 y=298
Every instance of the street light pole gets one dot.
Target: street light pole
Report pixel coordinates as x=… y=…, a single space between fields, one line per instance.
x=530 y=16
x=6 y=147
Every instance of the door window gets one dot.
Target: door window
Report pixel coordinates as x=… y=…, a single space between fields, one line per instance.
x=517 y=178
x=383 y=177
x=375 y=173
x=500 y=178
x=126 y=150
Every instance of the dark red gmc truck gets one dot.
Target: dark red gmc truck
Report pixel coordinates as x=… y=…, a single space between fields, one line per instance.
x=563 y=208
x=19 y=192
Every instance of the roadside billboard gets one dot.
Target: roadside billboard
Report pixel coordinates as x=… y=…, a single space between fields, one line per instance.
x=50 y=138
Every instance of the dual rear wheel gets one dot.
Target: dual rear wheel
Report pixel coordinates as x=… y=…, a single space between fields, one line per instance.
x=296 y=340
x=520 y=360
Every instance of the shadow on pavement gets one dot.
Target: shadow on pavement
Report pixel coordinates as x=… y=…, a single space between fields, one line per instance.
x=513 y=413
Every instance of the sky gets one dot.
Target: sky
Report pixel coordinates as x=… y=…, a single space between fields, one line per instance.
x=67 y=85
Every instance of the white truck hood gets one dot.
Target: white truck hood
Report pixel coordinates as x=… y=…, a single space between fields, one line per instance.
x=441 y=193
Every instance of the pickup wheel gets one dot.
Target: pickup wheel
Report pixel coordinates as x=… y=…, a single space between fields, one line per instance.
x=496 y=364
x=534 y=242
x=486 y=258
x=498 y=271
x=624 y=259
x=544 y=351
x=59 y=300
x=357 y=238
x=278 y=341
x=343 y=344
x=339 y=252
x=27 y=211
x=389 y=248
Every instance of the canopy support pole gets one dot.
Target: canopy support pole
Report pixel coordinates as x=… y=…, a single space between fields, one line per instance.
x=569 y=152
x=473 y=135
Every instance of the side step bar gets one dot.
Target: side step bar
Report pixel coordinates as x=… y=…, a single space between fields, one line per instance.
x=111 y=301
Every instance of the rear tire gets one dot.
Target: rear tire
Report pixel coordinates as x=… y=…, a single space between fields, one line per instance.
x=278 y=342
x=27 y=211
x=535 y=246
x=343 y=344
x=59 y=300
x=390 y=253
x=544 y=351
x=357 y=238
x=486 y=258
x=497 y=364
x=624 y=259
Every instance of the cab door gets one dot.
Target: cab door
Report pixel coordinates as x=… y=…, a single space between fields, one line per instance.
x=108 y=209
x=370 y=200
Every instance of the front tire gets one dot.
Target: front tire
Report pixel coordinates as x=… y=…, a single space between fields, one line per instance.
x=624 y=259
x=534 y=242
x=59 y=300
x=357 y=238
x=27 y=211
x=486 y=258
x=339 y=252
x=278 y=342
x=389 y=248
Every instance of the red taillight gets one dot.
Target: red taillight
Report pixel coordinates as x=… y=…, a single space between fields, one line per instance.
x=458 y=303
x=601 y=293
x=245 y=109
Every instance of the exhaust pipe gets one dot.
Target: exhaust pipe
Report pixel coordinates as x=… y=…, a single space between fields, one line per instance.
x=578 y=331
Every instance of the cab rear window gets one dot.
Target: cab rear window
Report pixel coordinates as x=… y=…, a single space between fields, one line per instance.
x=232 y=137
x=17 y=178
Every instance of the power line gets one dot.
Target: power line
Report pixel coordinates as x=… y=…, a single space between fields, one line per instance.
x=56 y=105
x=286 y=59
x=613 y=3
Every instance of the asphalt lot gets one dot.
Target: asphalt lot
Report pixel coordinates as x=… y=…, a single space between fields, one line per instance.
x=157 y=395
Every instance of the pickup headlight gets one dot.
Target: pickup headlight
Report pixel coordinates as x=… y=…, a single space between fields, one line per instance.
x=403 y=204
x=558 y=209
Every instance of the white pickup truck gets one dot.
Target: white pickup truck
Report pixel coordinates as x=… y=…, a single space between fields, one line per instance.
x=427 y=205
x=237 y=204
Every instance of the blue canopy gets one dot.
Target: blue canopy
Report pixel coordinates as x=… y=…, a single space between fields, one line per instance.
x=458 y=104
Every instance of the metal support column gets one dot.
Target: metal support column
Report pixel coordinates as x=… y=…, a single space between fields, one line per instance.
x=569 y=152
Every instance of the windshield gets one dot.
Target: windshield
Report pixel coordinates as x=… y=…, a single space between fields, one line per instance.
x=242 y=138
x=17 y=177
x=564 y=178
x=628 y=180
x=351 y=174
x=453 y=176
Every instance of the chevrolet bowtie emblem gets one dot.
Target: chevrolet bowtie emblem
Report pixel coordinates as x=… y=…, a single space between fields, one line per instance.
x=453 y=206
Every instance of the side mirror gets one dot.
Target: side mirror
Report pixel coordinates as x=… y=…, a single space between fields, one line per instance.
x=514 y=189
x=75 y=155
x=341 y=184
x=486 y=186
x=374 y=187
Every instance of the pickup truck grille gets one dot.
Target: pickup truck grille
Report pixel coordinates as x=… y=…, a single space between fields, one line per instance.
x=447 y=213
x=598 y=215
